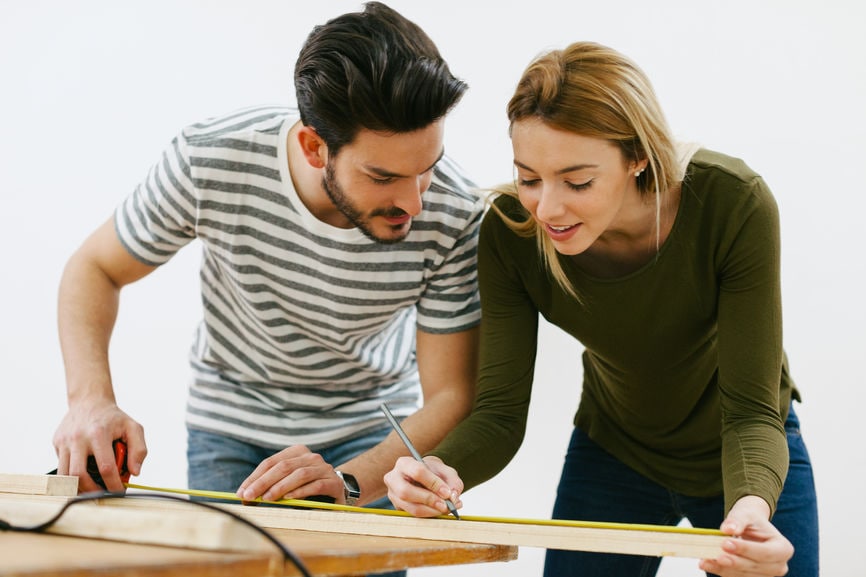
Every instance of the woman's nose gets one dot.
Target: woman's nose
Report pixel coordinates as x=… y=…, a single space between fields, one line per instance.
x=550 y=206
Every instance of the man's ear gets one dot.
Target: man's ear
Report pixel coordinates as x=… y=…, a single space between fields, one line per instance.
x=314 y=148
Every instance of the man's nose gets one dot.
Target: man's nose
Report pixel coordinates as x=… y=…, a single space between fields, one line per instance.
x=408 y=197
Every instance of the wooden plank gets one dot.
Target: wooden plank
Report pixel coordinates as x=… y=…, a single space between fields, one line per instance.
x=39 y=484
x=627 y=541
x=188 y=528
x=466 y=530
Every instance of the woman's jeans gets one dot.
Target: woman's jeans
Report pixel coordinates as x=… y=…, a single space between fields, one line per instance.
x=597 y=487
x=219 y=463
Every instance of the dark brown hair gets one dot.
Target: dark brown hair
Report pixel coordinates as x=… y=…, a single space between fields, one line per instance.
x=372 y=70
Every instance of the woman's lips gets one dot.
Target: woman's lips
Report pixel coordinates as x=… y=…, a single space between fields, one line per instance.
x=561 y=233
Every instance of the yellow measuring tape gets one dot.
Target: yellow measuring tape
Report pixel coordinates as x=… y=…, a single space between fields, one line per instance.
x=507 y=520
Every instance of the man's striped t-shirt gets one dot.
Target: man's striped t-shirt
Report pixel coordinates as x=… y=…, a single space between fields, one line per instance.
x=307 y=328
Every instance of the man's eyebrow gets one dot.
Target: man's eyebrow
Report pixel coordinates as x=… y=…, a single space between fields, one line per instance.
x=566 y=170
x=388 y=174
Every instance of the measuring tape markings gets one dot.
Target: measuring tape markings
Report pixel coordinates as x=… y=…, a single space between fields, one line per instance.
x=396 y=513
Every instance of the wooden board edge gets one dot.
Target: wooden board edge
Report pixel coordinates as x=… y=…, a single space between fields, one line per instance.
x=626 y=541
x=24 y=484
x=636 y=542
x=192 y=528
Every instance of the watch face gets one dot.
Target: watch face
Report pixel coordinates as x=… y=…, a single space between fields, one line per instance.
x=351 y=483
x=352 y=490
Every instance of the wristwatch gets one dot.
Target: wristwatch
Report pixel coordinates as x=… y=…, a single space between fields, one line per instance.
x=351 y=489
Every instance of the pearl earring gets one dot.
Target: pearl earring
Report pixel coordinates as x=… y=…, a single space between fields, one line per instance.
x=638 y=173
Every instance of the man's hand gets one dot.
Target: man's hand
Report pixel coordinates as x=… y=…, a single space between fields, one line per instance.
x=90 y=429
x=760 y=550
x=293 y=473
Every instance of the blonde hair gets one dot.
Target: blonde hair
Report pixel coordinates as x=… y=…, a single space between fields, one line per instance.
x=595 y=91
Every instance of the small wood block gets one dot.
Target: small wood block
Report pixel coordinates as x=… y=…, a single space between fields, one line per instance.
x=63 y=485
x=191 y=527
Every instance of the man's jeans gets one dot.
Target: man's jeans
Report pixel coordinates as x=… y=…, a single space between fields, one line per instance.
x=218 y=463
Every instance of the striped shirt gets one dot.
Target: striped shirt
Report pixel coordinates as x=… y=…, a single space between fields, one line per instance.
x=307 y=328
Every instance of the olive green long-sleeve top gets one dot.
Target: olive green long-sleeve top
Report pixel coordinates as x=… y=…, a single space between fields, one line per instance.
x=684 y=375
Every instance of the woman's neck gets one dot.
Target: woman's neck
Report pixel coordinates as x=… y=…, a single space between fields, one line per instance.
x=635 y=241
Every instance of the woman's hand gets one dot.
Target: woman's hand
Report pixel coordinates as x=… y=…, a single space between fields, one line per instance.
x=421 y=490
x=760 y=550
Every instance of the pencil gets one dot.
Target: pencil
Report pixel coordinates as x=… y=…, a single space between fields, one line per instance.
x=412 y=449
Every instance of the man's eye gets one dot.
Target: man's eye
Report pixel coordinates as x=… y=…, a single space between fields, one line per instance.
x=382 y=180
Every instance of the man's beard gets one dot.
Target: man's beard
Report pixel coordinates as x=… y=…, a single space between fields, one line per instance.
x=338 y=196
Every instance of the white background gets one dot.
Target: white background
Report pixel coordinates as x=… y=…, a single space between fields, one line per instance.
x=91 y=92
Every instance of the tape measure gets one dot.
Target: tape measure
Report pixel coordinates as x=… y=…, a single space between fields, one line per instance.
x=301 y=503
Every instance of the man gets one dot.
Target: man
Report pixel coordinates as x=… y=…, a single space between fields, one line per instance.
x=328 y=286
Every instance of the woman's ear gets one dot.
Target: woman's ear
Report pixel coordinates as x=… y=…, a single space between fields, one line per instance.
x=637 y=167
x=314 y=148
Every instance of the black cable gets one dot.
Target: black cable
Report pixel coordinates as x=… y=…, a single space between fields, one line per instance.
x=286 y=552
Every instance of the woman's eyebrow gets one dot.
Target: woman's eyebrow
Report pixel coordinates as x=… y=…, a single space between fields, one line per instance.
x=567 y=169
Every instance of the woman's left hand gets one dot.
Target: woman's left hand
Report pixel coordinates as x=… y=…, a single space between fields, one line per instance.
x=759 y=550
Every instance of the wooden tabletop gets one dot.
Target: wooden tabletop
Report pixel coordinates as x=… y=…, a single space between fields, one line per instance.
x=43 y=555
x=177 y=537
x=143 y=537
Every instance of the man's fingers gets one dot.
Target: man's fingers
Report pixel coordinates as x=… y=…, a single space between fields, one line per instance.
x=293 y=473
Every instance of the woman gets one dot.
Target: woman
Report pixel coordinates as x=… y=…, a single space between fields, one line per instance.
x=663 y=261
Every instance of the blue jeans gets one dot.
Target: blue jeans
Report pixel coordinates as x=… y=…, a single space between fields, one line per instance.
x=219 y=463
x=597 y=487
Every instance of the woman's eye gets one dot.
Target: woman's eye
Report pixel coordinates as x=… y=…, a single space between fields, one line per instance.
x=581 y=186
x=527 y=181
